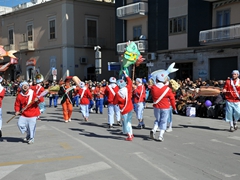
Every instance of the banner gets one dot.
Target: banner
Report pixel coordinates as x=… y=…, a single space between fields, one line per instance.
x=13 y=60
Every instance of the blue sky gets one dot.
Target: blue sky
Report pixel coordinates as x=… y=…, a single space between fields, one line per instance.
x=11 y=3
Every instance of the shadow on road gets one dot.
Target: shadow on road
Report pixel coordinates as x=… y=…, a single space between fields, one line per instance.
x=11 y=139
x=104 y=125
x=202 y=127
x=237 y=154
x=91 y=134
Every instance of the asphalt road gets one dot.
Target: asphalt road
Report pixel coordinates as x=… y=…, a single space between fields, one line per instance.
x=196 y=149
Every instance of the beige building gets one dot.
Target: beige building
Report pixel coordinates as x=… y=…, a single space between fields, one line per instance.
x=60 y=35
x=134 y=17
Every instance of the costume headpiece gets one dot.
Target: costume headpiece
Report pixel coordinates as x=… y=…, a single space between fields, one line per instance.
x=235 y=72
x=23 y=83
x=162 y=75
x=82 y=84
x=121 y=83
x=112 y=80
x=139 y=80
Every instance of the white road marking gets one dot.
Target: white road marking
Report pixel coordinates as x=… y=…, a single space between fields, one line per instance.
x=143 y=157
x=5 y=170
x=128 y=174
x=225 y=175
x=191 y=143
x=77 y=171
x=177 y=153
x=235 y=137
x=215 y=140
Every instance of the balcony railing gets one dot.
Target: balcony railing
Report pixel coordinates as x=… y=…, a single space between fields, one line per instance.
x=222 y=35
x=141 y=44
x=27 y=45
x=88 y=41
x=9 y=47
x=132 y=11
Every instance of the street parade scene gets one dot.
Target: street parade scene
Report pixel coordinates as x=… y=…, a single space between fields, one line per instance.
x=123 y=90
x=123 y=100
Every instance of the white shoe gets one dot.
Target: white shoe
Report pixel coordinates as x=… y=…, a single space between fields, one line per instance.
x=169 y=130
x=66 y=121
x=152 y=134
x=70 y=120
x=31 y=141
x=158 y=130
x=160 y=139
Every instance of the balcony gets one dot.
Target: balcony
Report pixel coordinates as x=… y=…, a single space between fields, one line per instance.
x=9 y=47
x=90 y=42
x=220 y=36
x=141 y=44
x=132 y=11
x=27 y=45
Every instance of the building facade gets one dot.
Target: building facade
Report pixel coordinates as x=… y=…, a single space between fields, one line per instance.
x=200 y=36
x=59 y=36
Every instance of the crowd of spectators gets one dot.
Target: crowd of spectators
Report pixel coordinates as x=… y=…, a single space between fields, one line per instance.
x=205 y=106
x=186 y=96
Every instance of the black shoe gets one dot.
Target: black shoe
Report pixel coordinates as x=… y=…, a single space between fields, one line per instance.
x=0 y=133
x=119 y=123
x=139 y=126
x=110 y=126
x=100 y=112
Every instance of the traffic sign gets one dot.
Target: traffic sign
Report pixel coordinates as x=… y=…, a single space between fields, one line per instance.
x=114 y=66
x=54 y=71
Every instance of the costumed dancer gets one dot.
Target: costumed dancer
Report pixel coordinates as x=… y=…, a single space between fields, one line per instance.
x=231 y=90
x=27 y=121
x=76 y=95
x=99 y=97
x=161 y=95
x=53 y=94
x=124 y=99
x=139 y=95
x=2 y=93
x=110 y=92
x=66 y=93
x=174 y=86
x=38 y=89
x=84 y=95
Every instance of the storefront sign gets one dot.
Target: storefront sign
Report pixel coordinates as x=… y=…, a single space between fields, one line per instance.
x=31 y=62
x=202 y=73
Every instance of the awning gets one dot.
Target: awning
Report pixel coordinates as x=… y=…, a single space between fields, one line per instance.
x=4 y=67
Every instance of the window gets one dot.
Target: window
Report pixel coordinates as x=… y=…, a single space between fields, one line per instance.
x=52 y=28
x=137 y=32
x=30 y=32
x=91 y=28
x=223 y=18
x=178 y=25
x=10 y=36
x=91 y=37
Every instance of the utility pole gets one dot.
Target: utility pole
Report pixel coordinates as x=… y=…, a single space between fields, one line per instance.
x=98 y=61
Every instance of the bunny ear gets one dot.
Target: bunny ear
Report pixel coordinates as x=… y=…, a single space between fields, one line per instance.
x=171 y=68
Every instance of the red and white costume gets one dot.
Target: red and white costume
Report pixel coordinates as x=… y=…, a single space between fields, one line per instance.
x=2 y=94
